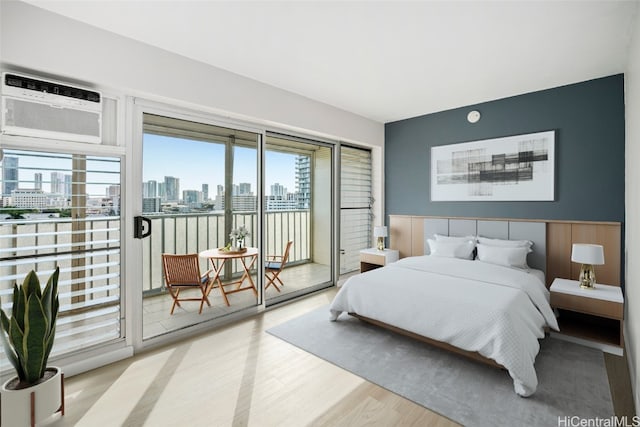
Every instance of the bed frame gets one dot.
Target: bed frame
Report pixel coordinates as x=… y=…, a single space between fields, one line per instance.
x=443 y=345
x=552 y=242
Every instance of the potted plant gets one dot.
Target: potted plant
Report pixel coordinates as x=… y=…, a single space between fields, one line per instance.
x=27 y=338
x=237 y=237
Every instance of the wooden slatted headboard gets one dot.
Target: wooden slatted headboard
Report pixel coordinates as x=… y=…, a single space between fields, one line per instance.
x=407 y=234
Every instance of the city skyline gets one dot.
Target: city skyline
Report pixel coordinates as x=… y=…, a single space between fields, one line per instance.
x=52 y=173
x=196 y=163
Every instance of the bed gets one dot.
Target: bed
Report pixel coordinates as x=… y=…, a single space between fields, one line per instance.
x=474 y=307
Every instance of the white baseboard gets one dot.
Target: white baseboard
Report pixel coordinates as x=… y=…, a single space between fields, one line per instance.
x=71 y=368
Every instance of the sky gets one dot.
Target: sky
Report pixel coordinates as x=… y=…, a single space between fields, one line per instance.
x=197 y=163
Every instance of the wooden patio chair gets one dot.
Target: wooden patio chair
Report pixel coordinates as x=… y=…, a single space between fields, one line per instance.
x=273 y=267
x=183 y=272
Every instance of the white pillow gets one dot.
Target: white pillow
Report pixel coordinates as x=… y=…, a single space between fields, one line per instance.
x=451 y=249
x=505 y=243
x=506 y=256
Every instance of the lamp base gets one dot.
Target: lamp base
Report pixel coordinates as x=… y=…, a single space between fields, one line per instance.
x=587 y=277
x=380 y=243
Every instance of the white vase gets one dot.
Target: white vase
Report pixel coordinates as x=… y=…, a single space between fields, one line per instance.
x=16 y=404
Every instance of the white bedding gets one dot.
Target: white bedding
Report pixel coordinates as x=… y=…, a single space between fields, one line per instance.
x=496 y=311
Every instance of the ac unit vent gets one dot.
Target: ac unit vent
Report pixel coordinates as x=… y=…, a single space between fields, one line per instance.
x=46 y=109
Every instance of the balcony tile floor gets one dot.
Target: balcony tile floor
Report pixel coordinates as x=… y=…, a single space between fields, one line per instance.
x=157 y=319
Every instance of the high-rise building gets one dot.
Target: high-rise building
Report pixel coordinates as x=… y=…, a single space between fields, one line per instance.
x=219 y=190
x=150 y=189
x=218 y=203
x=162 y=192
x=246 y=203
x=57 y=183
x=278 y=190
x=9 y=175
x=172 y=188
x=68 y=186
x=205 y=192
x=191 y=197
x=244 y=189
x=287 y=202
x=29 y=199
x=113 y=191
x=151 y=204
x=303 y=181
x=37 y=181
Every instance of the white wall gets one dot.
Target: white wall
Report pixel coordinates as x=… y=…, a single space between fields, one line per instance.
x=632 y=185
x=40 y=40
x=33 y=39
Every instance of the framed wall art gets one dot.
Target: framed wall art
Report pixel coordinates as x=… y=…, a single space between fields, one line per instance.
x=513 y=168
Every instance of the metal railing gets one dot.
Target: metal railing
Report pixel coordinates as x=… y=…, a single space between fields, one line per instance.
x=193 y=233
x=44 y=243
x=87 y=251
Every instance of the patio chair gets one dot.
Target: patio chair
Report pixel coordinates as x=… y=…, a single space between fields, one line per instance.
x=183 y=272
x=273 y=267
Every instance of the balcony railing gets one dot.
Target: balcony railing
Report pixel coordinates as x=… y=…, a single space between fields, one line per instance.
x=90 y=253
x=193 y=233
x=87 y=250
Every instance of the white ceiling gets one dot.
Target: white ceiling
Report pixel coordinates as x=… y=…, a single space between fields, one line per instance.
x=385 y=60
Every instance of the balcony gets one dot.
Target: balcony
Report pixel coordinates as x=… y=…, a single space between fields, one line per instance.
x=194 y=233
x=88 y=253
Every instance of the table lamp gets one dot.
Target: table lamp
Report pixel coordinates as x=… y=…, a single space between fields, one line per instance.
x=380 y=232
x=588 y=255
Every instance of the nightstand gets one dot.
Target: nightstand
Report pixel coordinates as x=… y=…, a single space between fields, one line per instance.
x=592 y=317
x=373 y=258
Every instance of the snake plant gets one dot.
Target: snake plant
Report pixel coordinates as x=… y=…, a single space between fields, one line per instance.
x=28 y=335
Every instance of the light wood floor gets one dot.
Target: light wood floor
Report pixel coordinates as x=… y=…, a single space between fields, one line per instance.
x=240 y=376
x=236 y=376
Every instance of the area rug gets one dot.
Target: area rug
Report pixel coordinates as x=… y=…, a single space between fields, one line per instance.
x=572 y=379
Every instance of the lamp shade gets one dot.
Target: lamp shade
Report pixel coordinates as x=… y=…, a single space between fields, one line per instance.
x=587 y=254
x=380 y=231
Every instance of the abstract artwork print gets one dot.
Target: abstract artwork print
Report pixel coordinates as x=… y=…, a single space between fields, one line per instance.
x=513 y=168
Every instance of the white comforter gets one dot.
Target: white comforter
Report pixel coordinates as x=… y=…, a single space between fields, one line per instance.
x=496 y=311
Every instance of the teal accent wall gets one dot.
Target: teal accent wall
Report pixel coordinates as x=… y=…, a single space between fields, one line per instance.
x=589 y=122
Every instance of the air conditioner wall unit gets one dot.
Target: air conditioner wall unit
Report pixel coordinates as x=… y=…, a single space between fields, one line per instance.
x=49 y=109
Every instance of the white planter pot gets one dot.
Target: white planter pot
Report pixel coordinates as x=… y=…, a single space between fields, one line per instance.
x=16 y=404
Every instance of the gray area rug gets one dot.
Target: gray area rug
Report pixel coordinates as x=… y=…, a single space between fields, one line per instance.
x=572 y=379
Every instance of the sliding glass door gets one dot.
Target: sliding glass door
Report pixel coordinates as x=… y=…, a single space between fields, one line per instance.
x=199 y=184
x=201 y=187
x=298 y=217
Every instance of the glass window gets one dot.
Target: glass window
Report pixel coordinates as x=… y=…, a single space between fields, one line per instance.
x=355 y=206
x=63 y=210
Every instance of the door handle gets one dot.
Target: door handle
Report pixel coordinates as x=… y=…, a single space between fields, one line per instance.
x=139 y=229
